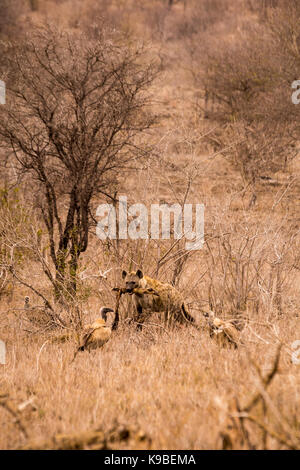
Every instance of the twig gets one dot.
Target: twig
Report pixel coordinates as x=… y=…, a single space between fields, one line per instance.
x=265 y=380
x=291 y=445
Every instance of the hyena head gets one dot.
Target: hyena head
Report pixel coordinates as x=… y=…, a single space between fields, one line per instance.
x=132 y=279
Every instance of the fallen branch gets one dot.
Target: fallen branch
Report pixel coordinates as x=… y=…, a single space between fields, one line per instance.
x=281 y=439
x=235 y=431
x=96 y=440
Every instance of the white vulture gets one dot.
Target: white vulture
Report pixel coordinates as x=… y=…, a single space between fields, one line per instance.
x=96 y=334
x=223 y=331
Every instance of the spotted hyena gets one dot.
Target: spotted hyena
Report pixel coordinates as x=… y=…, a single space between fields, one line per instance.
x=168 y=300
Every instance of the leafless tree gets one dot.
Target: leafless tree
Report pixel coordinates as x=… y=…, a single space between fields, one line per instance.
x=75 y=112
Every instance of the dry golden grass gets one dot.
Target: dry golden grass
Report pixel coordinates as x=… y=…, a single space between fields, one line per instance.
x=175 y=386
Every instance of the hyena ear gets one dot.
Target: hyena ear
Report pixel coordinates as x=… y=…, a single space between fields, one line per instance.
x=139 y=274
x=124 y=274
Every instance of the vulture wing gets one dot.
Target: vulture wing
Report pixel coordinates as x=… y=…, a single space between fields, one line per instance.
x=231 y=333
x=85 y=339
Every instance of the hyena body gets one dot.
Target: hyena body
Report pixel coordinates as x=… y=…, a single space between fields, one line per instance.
x=168 y=300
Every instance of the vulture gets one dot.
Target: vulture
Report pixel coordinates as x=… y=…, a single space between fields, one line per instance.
x=96 y=334
x=223 y=331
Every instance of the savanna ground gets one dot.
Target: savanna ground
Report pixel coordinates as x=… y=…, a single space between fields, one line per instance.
x=225 y=135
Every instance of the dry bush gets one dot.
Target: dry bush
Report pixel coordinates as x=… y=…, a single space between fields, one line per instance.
x=250 y=76
x=262 y=7
x=257 y=150
x=10 y=25
x=24 y=242
x=198 y=17
x=91 y=17
x=246 y=84
x=250 y=266
x=14 y=221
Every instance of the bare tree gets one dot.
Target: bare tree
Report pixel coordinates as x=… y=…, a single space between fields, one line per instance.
x=75 y=111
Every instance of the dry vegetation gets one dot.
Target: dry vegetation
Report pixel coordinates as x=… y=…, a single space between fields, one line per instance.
x=164 y=102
